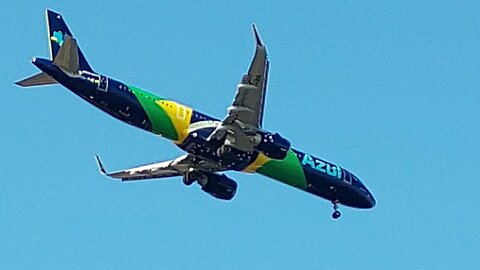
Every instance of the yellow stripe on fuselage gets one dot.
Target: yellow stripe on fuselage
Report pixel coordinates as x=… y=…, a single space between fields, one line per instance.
x=259 y=162
x=180 y=115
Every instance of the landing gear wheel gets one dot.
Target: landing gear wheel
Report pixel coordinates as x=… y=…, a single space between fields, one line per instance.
x=188 y=181
x=190 y=177
x=222 y=150
x=336 y=214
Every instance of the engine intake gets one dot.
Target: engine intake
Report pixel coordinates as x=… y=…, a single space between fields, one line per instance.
x=220 y=186
x=273 y=145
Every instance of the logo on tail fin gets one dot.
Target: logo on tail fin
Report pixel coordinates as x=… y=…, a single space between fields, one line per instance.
x=57 y=37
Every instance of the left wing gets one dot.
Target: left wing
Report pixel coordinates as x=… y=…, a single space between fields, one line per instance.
x=176 y=167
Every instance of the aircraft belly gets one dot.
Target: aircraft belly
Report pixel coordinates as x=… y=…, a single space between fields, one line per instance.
x=288 y=170
x=180 y=116
x=296 y=170
x=115 y=100
x=199 y=146
x=161 y=122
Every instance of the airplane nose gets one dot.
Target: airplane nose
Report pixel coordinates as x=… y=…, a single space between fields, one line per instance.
x=372 y=201
x=357 y=194
x=368 y=201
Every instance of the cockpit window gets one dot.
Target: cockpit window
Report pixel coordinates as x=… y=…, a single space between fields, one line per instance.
x=348 y=178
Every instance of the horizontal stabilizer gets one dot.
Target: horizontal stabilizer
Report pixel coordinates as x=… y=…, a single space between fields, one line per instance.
x=36 y=80
x=67 y=56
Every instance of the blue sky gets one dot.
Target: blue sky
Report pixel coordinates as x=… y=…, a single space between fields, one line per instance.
x=389 y=90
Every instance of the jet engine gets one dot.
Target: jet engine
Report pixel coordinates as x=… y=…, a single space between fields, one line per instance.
x=219 y=186
x=273 y=145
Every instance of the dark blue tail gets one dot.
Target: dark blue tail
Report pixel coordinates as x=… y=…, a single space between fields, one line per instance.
x=57 y=29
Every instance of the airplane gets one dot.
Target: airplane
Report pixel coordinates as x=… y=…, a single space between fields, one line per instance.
x=213 y=146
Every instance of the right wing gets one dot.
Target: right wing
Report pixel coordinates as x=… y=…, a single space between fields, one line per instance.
x=245 y=116
x=176 y=167
x=249 y=102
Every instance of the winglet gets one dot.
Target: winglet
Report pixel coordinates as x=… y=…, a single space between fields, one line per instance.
x=258 y=40
x=100 y=165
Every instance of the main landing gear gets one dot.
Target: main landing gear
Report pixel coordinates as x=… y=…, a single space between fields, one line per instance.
x=336 y=214
x=191 y=176
x=223 y=150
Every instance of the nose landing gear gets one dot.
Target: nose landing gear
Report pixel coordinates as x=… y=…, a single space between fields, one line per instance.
x=336 y=214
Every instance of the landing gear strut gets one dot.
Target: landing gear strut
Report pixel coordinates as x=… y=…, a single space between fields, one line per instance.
x=336 y=214
x=188 y=180
x=192 y=176
x=223 y=150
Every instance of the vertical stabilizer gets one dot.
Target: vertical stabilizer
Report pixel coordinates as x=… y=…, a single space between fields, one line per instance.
x=57 y=36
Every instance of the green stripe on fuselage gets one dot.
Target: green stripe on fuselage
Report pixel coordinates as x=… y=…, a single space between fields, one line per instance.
x=288 y=170
x=161 y=123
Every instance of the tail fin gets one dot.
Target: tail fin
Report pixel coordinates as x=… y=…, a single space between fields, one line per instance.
x=57 y=34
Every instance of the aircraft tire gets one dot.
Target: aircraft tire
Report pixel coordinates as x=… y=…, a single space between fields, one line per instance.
x=187 y=181
x=222 y=150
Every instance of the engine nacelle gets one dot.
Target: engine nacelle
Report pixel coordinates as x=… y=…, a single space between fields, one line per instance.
x=273 y=145
x=220 y=186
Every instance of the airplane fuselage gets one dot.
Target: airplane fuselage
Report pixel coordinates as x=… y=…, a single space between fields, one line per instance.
x=190 y=129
